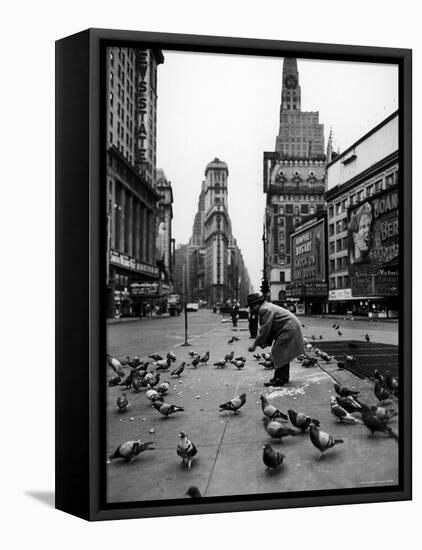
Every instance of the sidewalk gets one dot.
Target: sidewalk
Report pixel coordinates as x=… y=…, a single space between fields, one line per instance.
x=229 y=460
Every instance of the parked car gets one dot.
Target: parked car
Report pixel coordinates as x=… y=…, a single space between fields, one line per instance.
x=192 y=306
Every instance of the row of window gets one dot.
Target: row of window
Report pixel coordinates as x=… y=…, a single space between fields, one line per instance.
x=342 y=281
x=338 y=264
x=338 y=227
x=364 y=193
x=302 y=198
x=296 y=210
x=338 y=245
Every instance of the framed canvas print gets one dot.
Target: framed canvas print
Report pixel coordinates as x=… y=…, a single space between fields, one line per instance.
x=233 y=274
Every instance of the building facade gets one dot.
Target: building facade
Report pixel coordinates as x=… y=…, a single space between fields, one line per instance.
x=212 y=264
x=363 y=234
x=294 y=180
x=132 y=195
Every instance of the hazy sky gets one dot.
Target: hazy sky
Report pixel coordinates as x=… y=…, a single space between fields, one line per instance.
x=228 y=106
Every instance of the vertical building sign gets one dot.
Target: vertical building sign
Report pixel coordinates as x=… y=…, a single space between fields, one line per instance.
x=373 y=234
x=143 y=84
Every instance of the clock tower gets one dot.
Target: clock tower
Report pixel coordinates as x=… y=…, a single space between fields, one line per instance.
x=290 y=91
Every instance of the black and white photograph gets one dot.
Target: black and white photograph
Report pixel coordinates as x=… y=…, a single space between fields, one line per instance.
x=253 y=285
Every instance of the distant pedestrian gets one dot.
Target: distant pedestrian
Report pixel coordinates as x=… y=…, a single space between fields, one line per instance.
x=235 y=314
x=281 y=329
x=253 y=322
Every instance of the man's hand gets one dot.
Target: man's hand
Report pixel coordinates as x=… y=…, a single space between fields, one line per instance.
x=252 y=347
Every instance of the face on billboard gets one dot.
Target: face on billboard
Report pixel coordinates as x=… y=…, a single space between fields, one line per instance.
x=360 y=233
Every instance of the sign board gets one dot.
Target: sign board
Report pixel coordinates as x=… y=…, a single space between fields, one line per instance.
x=340 y=294
x=308 y=274
x=373 y=248
x=128 y=262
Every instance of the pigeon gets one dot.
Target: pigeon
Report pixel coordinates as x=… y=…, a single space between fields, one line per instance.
x=257 y=356
x=267 y=364
x=220 y=364
x=142 y=367
x=376 y=424
x=270 y=411
x=152 y=379
x=186 y=449
x=115 y=381
x=321 y=337
x=339 y=333
x=327 y=358
x=122 y=402
x=127 y=381
x=241 y=358
x=300 y=420
x=304 y=326
x=238 y=364
x=135 y=362
x=378 y=376
x=277 y=430
x=193 y=353
x=334 y=326
x=271 y=458
x=267 y=356
x=166 y=409
x=339 y=412
x=116 y=365
x=163 y=365
x=392 y=382
x=178 y=371
x=322 y=440
x=234 y=404
x=171 y=356
x=341 y=364
x=193 y=492
x=137 y=383
x=349 y=358
x=352 y=345
x=205 y=358
x=233 y=339
x=342 y=391
x=195 y=361
x=349 y=403
x=155 y=356
x=308 y=347
x=313 y=337
x=153 y=395
x=229 y=356
x=367 y=338
x=163 y=388
x=309 y=362
x=381 y=393
x=383 y=413
x=130 y=449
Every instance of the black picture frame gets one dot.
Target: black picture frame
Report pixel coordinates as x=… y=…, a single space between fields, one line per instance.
x=80 y=272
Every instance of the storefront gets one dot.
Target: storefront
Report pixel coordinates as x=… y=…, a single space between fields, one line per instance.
x=149 y=299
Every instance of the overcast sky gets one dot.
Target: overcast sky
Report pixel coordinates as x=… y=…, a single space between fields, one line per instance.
x=228 y=106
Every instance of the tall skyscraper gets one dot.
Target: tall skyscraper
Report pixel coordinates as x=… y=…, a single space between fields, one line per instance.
x=214 y=266
x=294 y=178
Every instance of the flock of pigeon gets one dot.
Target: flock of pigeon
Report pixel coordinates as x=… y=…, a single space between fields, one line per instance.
x=346 y=406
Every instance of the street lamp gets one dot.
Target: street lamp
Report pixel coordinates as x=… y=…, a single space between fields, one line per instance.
x=265 y=287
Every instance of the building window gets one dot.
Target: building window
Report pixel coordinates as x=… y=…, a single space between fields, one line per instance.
x=332 y=282
x=289 y=208
x=338 y=208
x=282 y=277
x=332 y=268
x=304 y=208
x=338 y=245
x=275 y=209
x=331 y=230
x=281 y=210
x=332 y=247
x=331 y=211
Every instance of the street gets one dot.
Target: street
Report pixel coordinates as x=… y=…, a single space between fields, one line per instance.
x=229 y=459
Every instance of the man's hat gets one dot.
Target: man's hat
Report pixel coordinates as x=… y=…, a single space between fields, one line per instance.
x=255 y=298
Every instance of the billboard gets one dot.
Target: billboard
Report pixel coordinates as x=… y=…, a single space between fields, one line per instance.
x=373 y=245
x=309 y=277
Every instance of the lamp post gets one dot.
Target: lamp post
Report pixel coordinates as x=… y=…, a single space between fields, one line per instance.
x=265 y=287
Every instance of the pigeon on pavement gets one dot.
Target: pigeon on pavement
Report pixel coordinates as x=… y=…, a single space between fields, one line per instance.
x=233 y=339
x=130 y=449
x=193 y=492
x=270 y=411
x=205 y=358
x=367 y=338
x=381 y=393
x=322 y=440
x=339 y=412
x=163 y=365
x=166 y=409
x=238 y=364
x=163 y=388
x=300 y=420
x=220 y=364
x=178 y=371
x=153 y=395
x=375 y=424
x=195 y=361
x=349 y=403
x=257 y=356
x=229 y=356
x=277 y=430
x=342 y=391
x=152 y=379
x=115 y=381
x=122 y=402
x=171 y=356
x=271 y=458
x=116 y=365
x=186 y=449
x=155 y=356
x=234 y=404
x=392 y=382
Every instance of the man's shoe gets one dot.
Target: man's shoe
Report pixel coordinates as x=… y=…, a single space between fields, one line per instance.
x=275 y=383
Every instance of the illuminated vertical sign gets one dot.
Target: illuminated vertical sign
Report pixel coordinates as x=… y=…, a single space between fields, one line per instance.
x=143 y=84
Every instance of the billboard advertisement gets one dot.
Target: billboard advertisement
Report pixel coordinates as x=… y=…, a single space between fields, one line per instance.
x=373 y=245
x=309 y=277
